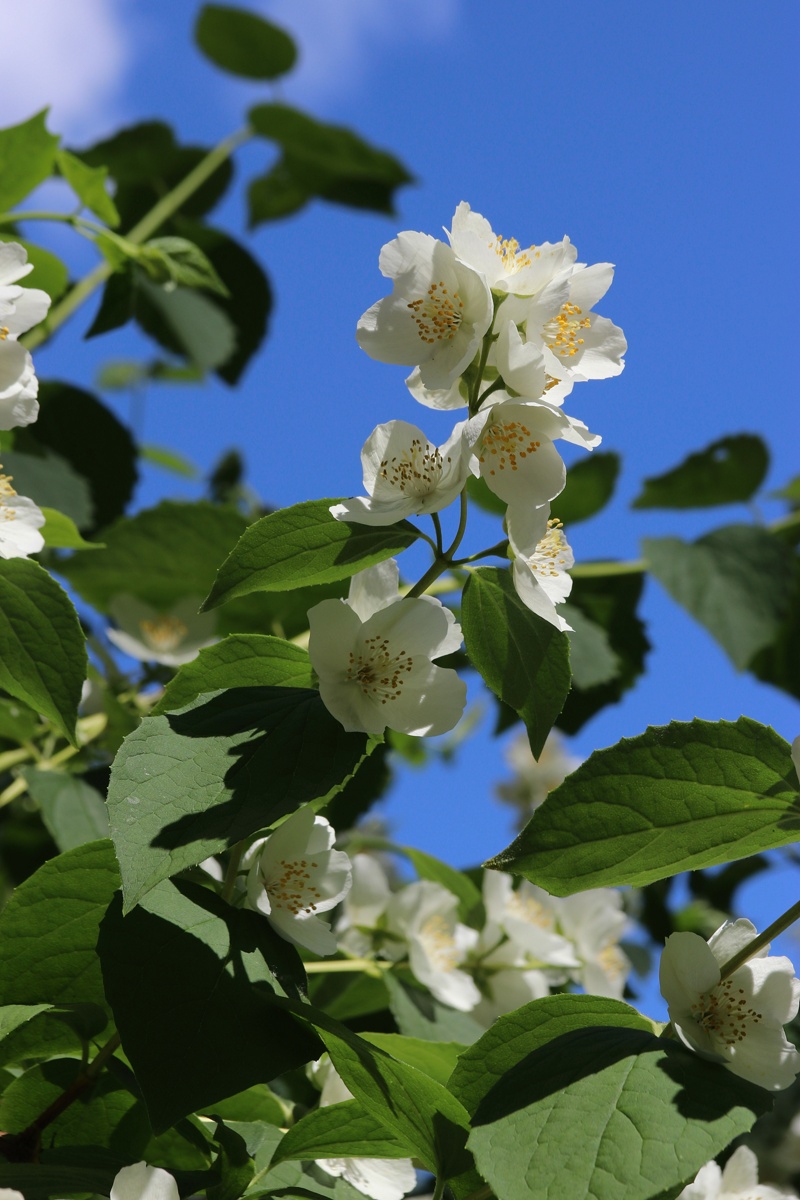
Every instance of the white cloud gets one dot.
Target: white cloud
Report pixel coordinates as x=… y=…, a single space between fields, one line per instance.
x=338 y=38
x=72 y=55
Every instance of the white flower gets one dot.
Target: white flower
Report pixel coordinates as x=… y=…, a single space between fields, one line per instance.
x=437 y=313
x=506 y=266
x=739 y=1181
x=363 y=906
x=140 y=1182
x=172 y=637
x=424 y=915
x=577 y=343
x=373 y=652
x=10 y=1194
x=293 y=875
x=380 y=1178
x=593 y=921
x=20 y=309
x=513 y=449
x=535 y=779
x=527 y=915
x=20 y=522
x=405 y=475
x=738 y=1020
x=540 y=570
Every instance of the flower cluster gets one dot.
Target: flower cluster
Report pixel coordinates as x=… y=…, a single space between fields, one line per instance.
x=737 y=1181
x=507 y=333
x=529 y=942
x=20 y=309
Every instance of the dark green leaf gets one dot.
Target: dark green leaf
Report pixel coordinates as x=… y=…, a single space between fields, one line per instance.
x=72 y=810
x=78 y=426
x=27 y=154
x=160 y=555
x=48 y=929
x=39 y=1181
x=190 y=784
x=329 y=160
x=241 y=660
x=243 y=43
x=274 y=195
x=89 y=185
x=637 y=1131
x=18 y=723
x=175 y=970
x=591 y=658
x=590 y=486
x=523 y=659
x=300 y=546
x=418 y=1015
x=49 y=273
x=347 y=1130
x=42 y=649
x=779 y=662
x=116 y=305
x=726 y=471
x=14 y=1015
x=736 y=581
x=676 y=798
x=234 y=1168
x=610 y=602
x=51 y=479
x=185 y=322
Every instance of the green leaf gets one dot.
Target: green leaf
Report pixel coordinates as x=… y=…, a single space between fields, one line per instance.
x=40 y=1182
x=48 y=929
x=303 y=545
x=480 y=492
x=418 y=1015
x=14 y=1015
x=18 y=723
x=169 y=460
x=590 y=486
x=677 y=798
x=789 y=492
x=61 y=533
x=274 y=195
x=89 y=185
x=610 y=602
x=329 y=160
x=241 y=660
x=779 y=663
x=42 y=649
x=592 y=660
x=523 y=659
x=185 y=322
x=243 y=43
x=50 y=478
x=159 y=556
x=187 y=785
x=636 y=1133
x=95 y=443
x=435 y=1059
x=728 y=470
x=347 y=1130
x=182 y=1042
x=178 y=261
x=470 y=903
x=73 y=812
x=49 y=273
x=27 y=154
x=736 y=581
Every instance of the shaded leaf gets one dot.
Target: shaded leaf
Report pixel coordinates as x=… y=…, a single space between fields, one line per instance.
x=590 y=486
x=243 y=42
x=728 y=470
x=241 y=660
x=73 y=811
x=274 y=195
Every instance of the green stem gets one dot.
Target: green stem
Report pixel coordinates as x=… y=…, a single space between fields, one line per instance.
x=20 y=786
x=762 y=939
x=371 y=966
x=438 y=1191
x=232 y=871
x=165 y=208
x=499 y=550
x=592 y=570
x=437 y=525
x=443 y=562
x=11 y=218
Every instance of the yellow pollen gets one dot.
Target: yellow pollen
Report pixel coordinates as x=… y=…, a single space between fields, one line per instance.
x=163 y=633
x=7 y=512
x=612 y=961
x=550 y=555
x=417 y=471
x=504 y=443
x=292 y=888
x=440 y=945
x=437 y=315
x=510 y=255
x=378 y=670
x=3 y=332
x=725 y=1013
x=562 y=330
x=529 y=909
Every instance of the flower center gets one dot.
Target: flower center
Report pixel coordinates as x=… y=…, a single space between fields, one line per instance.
x=512 y=258
x=505 y=442
x=163 y=633
x=377 y=671
x=613 y=962
x=7 y=512
x=437 y=315
x=561 y=332
x=437 y=938
x=725 y=1013
x=292 y=889
x=417 y=471
x=529 y=909
x=3 y=332
x=549 y=557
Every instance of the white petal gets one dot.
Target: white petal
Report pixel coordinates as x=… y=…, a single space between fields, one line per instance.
x=140 y=1182
x=534 y=596
x=374 y=589
x=14 y=263
x=687 y=969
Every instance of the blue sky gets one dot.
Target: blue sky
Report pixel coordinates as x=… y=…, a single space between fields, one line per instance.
x=659 y=137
